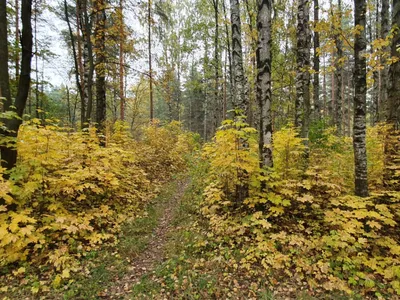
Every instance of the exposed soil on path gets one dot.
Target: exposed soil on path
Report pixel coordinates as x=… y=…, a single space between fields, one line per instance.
x=154 y=253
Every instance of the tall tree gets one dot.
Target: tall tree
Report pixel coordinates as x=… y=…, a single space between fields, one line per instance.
x=100 y=51
x=74 y=53
x=121 y=59
x=317 y=104
x=4 y=76
x=9 y=155
x=240 y=100
x=385 y=28
x=360 y=104
x=393 y=107
x=263 y=55
x=239 y=84
x=217 y=112
x=149 y=19
x=85 y=24
x=338 y=117
x=302 y=102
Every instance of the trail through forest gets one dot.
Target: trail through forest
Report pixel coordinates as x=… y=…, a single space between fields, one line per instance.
x=155 y=249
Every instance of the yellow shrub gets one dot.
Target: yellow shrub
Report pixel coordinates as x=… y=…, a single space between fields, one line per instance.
x=288 y=153
x=70 y=195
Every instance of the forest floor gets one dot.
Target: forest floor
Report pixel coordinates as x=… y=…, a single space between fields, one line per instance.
x=157 y=257
x=161 y=255
x=154 y=252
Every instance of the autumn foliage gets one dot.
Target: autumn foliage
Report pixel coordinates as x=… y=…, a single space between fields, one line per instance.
x=69 y=195
x=304 y=228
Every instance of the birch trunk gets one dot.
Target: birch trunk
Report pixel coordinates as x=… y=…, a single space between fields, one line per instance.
x=360 y=107
x=302 y=103
x=263 y=55
x=239 y=86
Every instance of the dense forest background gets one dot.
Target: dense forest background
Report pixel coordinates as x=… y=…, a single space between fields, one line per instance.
x=190 y=47
x=265 y=133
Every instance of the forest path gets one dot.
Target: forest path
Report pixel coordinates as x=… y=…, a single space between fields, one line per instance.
x=154 y=253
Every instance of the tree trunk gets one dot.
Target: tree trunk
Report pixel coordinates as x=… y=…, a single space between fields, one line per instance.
x=385 y=28
x=239 y=93
x=9 y=155
x=228 y=42
x=150 y=67
x=121 y=60
x=317 y=104
x=338 y=74
x=74 y=54
x=393 y=108
x=360 y=151
x=100 y=51
x=217 y=112
x=239 y=85
x=4 y=77
x=302 y=103
x=88 y=64
x=263 y=55
x=16 y=40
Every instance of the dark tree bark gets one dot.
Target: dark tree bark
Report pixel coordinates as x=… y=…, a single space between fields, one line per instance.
x=263 y=55
x=393 y=108
x=150 y=67
x=338 y=118
x=217 y=112
x=17 y=40
x=385 y=28
x=73 y=45
x=9 y=155
x=88 y=64
x=317 y=103
x=100 y=51
x=302 y=103
x=254 y=114
x=228 y=42
x=392 y=145
x=121 y=60
x=4 y=77
x=360 y=106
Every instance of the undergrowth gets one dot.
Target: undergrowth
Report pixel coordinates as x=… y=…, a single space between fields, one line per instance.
x=69 y=196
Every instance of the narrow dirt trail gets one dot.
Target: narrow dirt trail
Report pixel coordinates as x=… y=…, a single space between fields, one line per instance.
x=155 y=250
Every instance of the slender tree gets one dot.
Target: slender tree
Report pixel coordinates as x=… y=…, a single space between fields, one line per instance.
x=121 y=59
x=317 y=104
x=100 y=51
x=360 y=106
x=217 y=112
x=240 y=100
x=149 y=19
x=385 y=28
x=302 y=103
x=263 y=55
x=338 y=118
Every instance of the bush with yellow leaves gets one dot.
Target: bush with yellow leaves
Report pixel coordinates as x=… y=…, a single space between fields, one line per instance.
x=304 y=230
x=69 y=195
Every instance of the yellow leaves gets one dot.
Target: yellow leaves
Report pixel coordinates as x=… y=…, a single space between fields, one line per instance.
x=57 y=281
